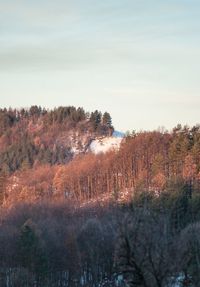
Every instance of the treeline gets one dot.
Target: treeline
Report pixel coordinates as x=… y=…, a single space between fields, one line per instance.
x=35 y=136
x=69 y=115
x=146 y=161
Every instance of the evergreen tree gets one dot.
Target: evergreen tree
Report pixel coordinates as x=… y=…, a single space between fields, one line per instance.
x=31 y=251
x=95 y=119
x=107 y=123
x=107 y=120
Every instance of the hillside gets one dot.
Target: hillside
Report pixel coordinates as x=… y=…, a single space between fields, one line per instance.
x=76 y=198
x=35 y=136
x=70 y=154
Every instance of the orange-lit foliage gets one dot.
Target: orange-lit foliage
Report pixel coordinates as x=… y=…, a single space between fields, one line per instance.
x=158 y=182
x=146 y=160
x=84 y=177
x=189 y=168
x=30 y=185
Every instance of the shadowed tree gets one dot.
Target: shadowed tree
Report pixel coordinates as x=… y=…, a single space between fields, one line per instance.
x=31 y=252
x=143 y=250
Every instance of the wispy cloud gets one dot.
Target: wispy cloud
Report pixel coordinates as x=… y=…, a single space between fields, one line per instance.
x=140 y=50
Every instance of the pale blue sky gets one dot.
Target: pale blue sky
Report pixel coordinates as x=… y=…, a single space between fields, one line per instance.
x=137 y=59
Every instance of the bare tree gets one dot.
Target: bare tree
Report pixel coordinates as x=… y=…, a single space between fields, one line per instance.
x=143 y=251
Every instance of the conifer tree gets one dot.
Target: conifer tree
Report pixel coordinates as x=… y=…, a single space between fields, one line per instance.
x=107 y=122
x=95 y=119
x=31 y=251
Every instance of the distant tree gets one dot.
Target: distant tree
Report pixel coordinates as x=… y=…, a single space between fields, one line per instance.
x=107 y=123
x=78 y=115
x=35 y=111
x=7 y=119
x=95 y=119
x=107 y=120
x=189 y=169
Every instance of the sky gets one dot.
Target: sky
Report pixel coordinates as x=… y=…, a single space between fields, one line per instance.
x=137 y=59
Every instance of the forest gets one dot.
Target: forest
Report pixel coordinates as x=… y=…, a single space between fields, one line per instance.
x=68 y=217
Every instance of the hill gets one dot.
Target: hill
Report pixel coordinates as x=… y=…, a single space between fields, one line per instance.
x=70 y=154
x=30 y=137
x=75 y=202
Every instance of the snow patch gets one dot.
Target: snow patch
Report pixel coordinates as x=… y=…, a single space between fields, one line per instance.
x=102 y=145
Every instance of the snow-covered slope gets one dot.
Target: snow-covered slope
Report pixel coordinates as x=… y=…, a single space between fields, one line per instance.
x=102 y=145
x=81 y=143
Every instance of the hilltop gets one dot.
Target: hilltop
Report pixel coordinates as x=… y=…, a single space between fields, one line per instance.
x=35 y=136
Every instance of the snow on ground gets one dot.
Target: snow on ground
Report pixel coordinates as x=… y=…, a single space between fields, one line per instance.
x=102 y=145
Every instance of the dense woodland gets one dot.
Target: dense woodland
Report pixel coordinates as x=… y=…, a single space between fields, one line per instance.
x=37 y=136
x=55 y=228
